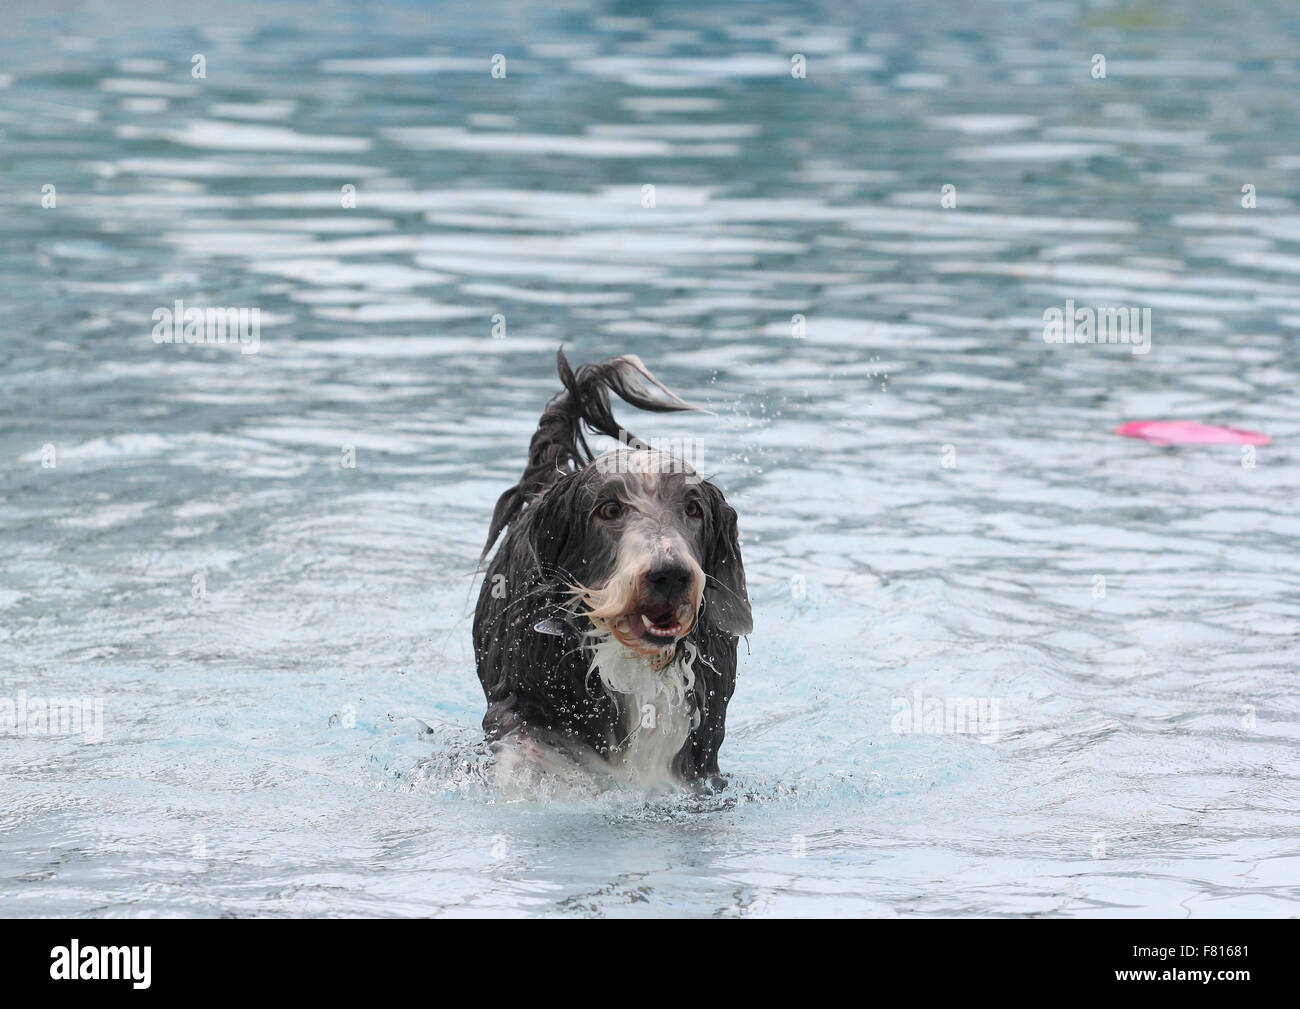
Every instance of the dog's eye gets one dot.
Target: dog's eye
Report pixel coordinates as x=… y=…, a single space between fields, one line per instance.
x=694 y=510
x=609 y=510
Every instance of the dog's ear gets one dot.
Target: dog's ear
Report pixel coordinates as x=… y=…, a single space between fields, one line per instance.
x=555 y=523
x=726 y=601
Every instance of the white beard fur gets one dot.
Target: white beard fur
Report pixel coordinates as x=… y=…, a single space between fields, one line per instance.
x=531 y=765
x=658 y=710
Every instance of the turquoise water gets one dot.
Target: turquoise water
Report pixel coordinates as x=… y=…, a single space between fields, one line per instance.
x=932 y=499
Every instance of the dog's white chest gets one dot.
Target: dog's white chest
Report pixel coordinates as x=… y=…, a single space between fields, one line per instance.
x=659 y=714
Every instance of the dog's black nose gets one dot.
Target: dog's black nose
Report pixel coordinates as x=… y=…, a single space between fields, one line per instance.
x=670 y=580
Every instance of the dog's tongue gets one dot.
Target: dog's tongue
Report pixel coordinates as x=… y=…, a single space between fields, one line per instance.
x=636 y=625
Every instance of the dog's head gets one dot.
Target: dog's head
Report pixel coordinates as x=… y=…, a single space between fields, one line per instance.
x=648 y=548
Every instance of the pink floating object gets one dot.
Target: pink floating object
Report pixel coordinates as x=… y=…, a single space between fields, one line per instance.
x=1189 y=432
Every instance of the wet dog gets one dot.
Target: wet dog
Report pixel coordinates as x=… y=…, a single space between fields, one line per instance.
x=607 y=623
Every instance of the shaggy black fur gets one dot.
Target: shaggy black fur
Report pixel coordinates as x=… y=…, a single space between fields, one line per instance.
x=542 y=682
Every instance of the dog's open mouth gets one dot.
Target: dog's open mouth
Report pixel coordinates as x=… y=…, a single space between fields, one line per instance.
x=651 y=629
x=658 y=625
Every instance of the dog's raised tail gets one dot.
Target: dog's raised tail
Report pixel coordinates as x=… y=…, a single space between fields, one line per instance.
x=560 y=444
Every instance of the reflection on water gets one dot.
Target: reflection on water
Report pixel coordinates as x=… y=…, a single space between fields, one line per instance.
x=933 y=503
